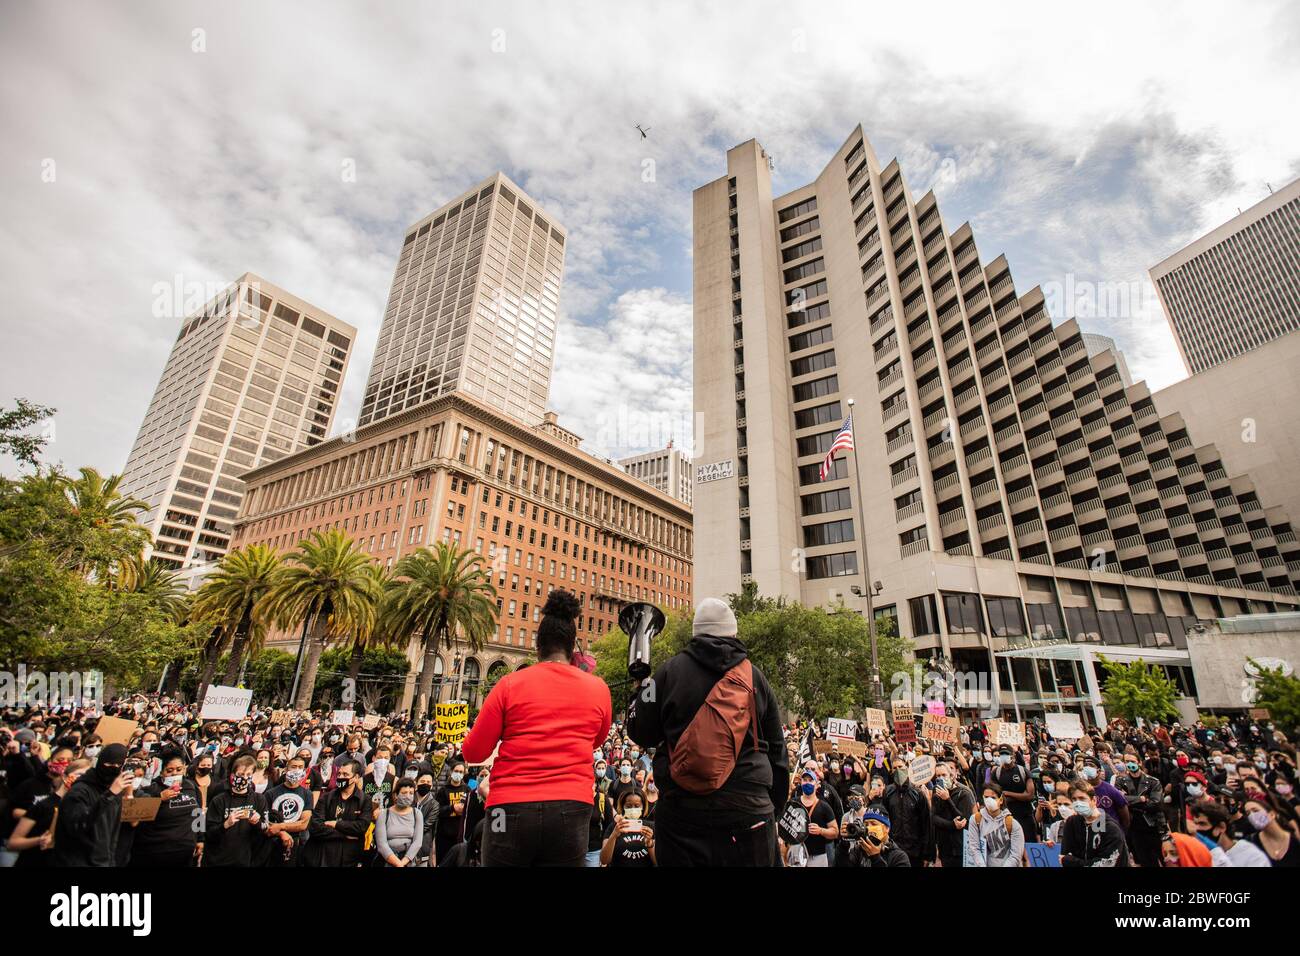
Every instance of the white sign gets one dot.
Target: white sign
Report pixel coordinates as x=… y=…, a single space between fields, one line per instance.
x=1065 y=726
x=343 y=718
x=714 y=472
x=1010 y=733
x=840 y=727
x=921 y=770
x=226 y=703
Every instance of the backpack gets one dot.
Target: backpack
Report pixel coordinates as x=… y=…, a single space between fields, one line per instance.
x=706 y=752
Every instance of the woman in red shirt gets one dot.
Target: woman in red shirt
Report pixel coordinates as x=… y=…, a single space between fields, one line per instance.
x=548 y=719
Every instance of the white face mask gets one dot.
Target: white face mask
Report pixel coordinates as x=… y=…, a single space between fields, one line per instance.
x=632 y=813
x=991 y=803
x=171 y=781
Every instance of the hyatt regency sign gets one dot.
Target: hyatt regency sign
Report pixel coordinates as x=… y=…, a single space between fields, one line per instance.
x=714 y=472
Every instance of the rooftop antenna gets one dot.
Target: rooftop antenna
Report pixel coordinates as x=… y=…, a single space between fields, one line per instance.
x=1270 y=188
x=642 y=131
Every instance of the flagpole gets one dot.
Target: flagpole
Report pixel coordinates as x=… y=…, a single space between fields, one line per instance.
x=866 y=566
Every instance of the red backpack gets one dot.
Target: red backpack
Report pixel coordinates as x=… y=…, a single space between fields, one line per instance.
x=706 y=752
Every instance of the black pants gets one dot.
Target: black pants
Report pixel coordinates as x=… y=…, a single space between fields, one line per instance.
x=1144 y=843
x=713 y=838
x=538 y=833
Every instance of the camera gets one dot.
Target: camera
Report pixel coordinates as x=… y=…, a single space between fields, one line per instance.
x=853 y=829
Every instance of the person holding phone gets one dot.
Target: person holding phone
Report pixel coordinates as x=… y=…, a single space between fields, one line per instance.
x=630 y=841
x=87 y=829
x=169 y=839
x=235 y=818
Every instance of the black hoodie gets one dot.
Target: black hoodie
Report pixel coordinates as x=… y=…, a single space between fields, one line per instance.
x=761 y=779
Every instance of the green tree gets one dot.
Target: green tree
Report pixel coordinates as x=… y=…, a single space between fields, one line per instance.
x=270 y=674
x=379 y=681
x=108 y=532
x=376 y=632
x=14 y=423
x=441 y=596
x=228 y=601
x=162 y=585
x=325 y=584
x=1138 y=690
x=1280 y=694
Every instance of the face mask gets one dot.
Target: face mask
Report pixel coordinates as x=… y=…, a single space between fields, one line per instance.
x=1218 y=761
x=1284 y=789
x=263 y=762
x=1259 y=819
x=405 y=800
x=174 y=780
x=411 y=774
x=1089 y=773
x=991 y=803
x=56 y=767
x=1082 y=807
x=93 y=751
x=1261 y=764
x=941 y=783
x=202 y=772
x=1182 y=760
x=381 y=767
x=835 y=768
x=1132 y=767
x=423 y=789
x=625 y=773
x=1065 y=810
x=600 y=770
x=632 y=813
x=294 y=777
x=900 y=776
x=1048 y=786
x=240 y=784
x=987 y=755
x=457 y=777
x=807 y=788
x=1194 y=789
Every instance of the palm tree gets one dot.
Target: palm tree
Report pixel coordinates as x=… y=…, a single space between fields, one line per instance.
x=328 y=586
x=160 y=585
x=376 y=633
x=442 y=596
x=229 y=599
x=109 y=532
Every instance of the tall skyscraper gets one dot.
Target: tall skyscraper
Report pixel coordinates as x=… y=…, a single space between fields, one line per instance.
x=668 y=470
x=1003 y=477
x=472 y=307
x=1237 y=287
x=254 y=375
x=1096 y=343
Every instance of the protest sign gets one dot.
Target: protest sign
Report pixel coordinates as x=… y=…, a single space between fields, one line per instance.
x=853 y=748
x=921 y=770
x=1010 y=733
x=281 y=717
x=225 y=703
x=1040 y=854
x=1259 y=713
x=905 y=731
x=115 y=730
x=940 y=730
x=876 y=720
x=841 y=727
x=1065 y=726
x=793 y=825
x=370 y=721
x=140 y=809
x=343 y=718
x=823 y=747
x=902 y=710
x=453 y=721
x=935 y=707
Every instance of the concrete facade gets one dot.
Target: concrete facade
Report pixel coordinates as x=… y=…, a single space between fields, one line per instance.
x=1237 y=287
x=254 y=375
x=1221 y=656
x=668 y=470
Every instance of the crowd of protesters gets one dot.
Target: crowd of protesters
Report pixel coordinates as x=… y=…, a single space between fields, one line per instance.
x=575 y=785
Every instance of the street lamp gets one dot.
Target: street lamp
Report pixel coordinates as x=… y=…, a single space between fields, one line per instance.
x=876 y=588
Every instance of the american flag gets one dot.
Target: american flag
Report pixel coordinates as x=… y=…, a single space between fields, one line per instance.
x=843 y=440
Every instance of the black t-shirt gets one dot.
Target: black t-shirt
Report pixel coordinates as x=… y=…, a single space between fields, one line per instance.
x=1013 y=778
x=602 y=818
x=823 y=815
x=27 y=795
x=41 y=815
x=286 y=804
x=629 y=849
x=233 y=846
x=174 y=827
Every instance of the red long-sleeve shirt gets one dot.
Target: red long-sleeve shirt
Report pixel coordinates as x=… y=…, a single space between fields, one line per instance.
x=549 y=718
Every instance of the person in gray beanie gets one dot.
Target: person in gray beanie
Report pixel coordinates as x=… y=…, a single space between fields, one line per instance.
x=720 y=760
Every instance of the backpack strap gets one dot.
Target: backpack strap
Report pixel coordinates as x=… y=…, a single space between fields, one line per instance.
x=748 y=671
x=1010 y=822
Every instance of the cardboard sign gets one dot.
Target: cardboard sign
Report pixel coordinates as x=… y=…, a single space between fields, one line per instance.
x=115 y=730
x=905 y=731
x=902 y=710
x=140 y=809
x=1040 y=854
x=452 y=720
x=225 y=703
x=991 y=730
x=935 y=707
x=841 y=727
x=281 y=717
x=1065 y=726
x=1010 y=733
x=370 y=721
x=941 y=730
x=821 y=747
x=793 y=825
x=921 y=770
x=1260 y=713
x=876 y=720
x=343 y=718
x=853 y=748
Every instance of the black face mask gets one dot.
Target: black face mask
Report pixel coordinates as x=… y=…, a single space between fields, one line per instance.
x=107 y=773
x=423 y=789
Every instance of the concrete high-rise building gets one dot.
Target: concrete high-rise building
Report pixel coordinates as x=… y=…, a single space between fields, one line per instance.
x=254 y=375
x=472 y=307
x=1013 y=488
x=543 y=512
x=1096 y=343
x=1237 y=287
x=667 y=469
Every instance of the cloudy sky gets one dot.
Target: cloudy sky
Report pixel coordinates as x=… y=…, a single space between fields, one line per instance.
x=181 y=142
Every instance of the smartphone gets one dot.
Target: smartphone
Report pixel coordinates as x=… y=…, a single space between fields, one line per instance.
x=634 y=826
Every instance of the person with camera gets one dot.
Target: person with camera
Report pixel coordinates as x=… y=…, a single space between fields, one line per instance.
x=87 y=829
x=864 y=841
x=547 y=720
x=720 y=759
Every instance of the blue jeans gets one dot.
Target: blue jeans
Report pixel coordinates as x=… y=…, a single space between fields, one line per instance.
x=593 y=858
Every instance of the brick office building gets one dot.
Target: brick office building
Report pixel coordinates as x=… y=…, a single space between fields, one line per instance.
x=542 y=511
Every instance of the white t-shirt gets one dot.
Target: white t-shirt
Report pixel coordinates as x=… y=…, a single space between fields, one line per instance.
x=1245 y=853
